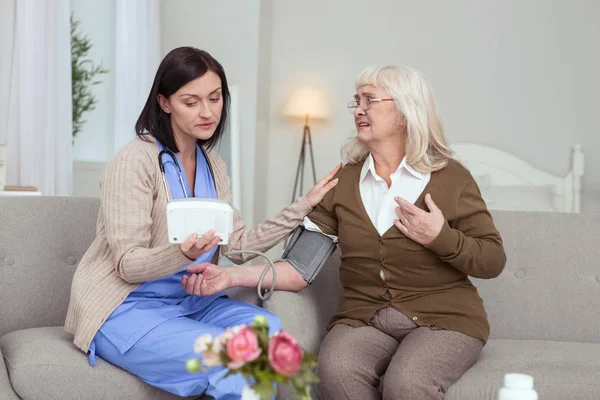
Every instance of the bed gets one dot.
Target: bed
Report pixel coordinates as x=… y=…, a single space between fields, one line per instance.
x=510 y=183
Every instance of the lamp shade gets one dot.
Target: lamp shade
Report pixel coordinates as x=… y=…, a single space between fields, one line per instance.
x=307 y=101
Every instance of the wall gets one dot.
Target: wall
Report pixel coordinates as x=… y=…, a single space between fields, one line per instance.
x=516 y=75
x=229 y=31
x=519 y=76
x=263 y=117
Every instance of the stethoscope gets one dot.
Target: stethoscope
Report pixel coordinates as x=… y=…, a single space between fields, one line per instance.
x=168 y=152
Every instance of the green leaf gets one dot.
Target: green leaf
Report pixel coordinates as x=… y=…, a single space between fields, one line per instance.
x=265 y=389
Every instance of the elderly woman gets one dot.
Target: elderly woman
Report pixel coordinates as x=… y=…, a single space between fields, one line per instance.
x=412 y=228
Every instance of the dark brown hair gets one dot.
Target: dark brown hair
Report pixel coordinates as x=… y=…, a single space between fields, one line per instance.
x=180 y=66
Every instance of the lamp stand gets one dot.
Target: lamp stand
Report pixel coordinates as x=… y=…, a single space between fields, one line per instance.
x=306 y=141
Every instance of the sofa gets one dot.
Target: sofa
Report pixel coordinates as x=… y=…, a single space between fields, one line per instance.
x=543 y=309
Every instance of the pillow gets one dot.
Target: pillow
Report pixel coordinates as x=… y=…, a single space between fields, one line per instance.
x=519 y=198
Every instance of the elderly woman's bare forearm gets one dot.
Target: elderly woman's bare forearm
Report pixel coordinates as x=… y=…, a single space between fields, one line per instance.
x=287 y=277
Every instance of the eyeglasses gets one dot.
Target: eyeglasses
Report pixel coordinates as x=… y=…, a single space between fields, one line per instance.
x=365 y=103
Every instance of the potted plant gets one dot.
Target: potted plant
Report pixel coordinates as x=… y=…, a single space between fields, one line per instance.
x=83 y=76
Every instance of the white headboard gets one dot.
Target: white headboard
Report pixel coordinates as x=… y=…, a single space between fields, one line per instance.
x=510 y=183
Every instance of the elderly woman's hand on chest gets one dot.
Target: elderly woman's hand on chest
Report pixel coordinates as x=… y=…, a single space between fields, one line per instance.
x=419 y=225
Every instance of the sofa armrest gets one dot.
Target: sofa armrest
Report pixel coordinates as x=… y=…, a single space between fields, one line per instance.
x=306 y=314
x=6 y=389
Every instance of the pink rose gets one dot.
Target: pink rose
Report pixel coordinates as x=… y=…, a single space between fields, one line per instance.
x=243 y=346
x=285 y=353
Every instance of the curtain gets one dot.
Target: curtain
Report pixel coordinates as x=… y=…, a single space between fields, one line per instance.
x=35 y=93
x=136 y=61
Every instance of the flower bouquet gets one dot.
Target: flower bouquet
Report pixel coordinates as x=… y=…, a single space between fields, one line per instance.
x=264 y=361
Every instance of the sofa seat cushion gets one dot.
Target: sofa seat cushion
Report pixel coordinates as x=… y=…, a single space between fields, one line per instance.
x=561 y=370
x=43 y=363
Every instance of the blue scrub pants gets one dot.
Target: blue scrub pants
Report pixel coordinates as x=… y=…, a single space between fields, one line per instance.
x=159 y=357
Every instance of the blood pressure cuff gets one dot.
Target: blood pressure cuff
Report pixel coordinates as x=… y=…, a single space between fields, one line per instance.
x=308 y=251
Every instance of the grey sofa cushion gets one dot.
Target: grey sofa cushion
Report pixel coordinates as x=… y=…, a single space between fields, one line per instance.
x=561 y=370
x=550 y=287
x=43 y=363
x=42 y=239
x=6 y=391
x=247 y=295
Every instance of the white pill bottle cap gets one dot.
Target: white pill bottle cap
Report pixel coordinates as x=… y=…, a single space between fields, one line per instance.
x=517 y=387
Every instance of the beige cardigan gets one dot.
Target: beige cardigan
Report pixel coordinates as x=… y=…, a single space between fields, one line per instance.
x=131 y=244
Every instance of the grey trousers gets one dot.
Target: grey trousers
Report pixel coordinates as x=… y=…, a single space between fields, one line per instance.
x=413 y=362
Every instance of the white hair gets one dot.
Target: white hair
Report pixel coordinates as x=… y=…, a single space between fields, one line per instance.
x=426 y=145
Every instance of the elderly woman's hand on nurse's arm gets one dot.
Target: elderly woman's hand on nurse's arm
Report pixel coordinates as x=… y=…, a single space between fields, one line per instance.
x=316 y=194
x=419 y=225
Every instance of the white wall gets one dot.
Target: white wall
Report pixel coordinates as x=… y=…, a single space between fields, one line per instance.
x=263 y=111
x=95 y=142
x=228 y=30
x=519 y=76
